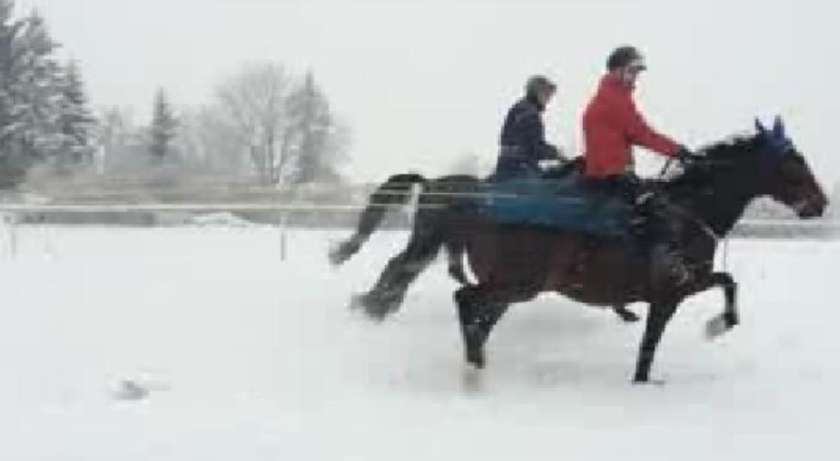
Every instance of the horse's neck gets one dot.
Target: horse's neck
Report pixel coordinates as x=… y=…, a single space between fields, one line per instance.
x=722 y=206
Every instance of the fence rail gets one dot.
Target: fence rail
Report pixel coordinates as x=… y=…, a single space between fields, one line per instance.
x=312 y=216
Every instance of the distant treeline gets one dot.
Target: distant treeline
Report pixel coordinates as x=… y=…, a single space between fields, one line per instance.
x=265 y=123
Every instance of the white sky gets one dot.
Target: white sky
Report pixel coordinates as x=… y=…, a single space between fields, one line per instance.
x=421 y=82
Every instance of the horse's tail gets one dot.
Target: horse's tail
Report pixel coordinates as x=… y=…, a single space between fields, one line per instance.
x=397 y=190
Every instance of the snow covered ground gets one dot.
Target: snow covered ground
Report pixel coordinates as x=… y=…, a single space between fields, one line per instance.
x=203 y=344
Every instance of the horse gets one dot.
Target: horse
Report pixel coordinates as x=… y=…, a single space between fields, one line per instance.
x=514 y=263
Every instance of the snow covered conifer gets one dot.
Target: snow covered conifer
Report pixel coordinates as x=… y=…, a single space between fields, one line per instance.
x=163 y=129
x=317 y=133
x=76 y=123
x=30 y=94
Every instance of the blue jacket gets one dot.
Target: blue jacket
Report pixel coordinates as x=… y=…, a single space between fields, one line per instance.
x=522 y=142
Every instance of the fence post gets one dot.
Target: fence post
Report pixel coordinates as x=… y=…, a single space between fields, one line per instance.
x=283 y=243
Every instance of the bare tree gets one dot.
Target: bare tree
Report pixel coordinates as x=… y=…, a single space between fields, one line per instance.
x=254 y=104
x=210 y=142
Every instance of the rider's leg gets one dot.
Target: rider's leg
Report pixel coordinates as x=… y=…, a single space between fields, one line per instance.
x=654 y=228
x=664 y=234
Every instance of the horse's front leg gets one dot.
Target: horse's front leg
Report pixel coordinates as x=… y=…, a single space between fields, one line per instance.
x=723 y=322
x=658 y=316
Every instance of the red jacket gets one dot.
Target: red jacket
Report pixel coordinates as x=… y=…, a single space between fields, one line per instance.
x=612 y=126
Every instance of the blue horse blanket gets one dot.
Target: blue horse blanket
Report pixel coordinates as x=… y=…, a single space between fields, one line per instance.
x=566 y=203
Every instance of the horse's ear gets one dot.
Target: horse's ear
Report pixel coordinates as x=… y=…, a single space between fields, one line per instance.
x=759 y=126
x=778 y=127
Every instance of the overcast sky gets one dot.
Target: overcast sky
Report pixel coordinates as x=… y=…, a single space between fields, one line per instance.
x=421 y=82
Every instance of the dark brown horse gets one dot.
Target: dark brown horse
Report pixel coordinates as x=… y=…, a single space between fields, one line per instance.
x=515 y=263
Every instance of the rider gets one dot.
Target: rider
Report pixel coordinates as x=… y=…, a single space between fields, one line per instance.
x=612 y=125
x=522 y=142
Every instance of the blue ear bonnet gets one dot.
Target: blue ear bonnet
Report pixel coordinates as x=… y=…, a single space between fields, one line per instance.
x=775 y=141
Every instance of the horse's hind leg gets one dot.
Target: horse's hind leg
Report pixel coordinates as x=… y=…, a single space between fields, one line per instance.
x=625 y=314
x=476 y=320
x=388 y=293
x=479 y=309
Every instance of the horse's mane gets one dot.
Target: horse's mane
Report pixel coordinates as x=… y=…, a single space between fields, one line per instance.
x=728 y=147
x=715 y=157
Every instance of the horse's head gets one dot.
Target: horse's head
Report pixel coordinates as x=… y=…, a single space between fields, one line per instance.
x=784 y=173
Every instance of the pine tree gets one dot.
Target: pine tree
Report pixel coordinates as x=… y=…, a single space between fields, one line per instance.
x=163 y=129
x=76 y=123
x=28 y=92
x=37 y=88
x=316 y=131
x=12 y=51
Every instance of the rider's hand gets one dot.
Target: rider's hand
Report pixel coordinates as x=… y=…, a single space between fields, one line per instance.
x=685 y=156
x=556 y=153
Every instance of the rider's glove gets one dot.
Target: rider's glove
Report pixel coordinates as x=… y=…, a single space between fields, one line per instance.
x=685 y=156
x=555 y=153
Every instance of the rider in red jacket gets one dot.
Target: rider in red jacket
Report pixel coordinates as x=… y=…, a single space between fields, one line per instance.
x=612 y=125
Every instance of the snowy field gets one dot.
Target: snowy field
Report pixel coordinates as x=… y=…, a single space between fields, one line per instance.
x=249 y=357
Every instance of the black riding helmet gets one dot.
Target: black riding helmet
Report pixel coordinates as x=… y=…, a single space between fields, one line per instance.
x=624 y=56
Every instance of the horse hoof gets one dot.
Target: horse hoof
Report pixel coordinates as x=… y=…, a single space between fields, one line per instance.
x=361 y=303
x=476 y=359
x=716 y=327
x=339 y=254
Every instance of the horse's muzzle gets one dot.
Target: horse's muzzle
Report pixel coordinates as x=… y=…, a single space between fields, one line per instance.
x=810 y=208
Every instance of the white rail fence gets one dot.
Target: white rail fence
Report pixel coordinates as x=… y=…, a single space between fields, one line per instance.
x=307 y=216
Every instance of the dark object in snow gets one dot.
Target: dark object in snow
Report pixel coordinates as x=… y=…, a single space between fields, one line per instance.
x=130 y=390
x=514 y=263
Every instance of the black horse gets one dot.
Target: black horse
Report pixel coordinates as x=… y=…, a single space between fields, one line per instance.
x=515 y=263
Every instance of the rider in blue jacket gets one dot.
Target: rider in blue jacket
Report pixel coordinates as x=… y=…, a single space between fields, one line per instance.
x=522 y=142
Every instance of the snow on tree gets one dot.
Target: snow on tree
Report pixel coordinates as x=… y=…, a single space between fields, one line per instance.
x=35 y=91
x=76 y=123
x=43 y=114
